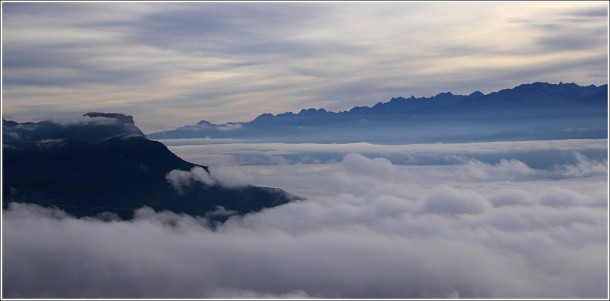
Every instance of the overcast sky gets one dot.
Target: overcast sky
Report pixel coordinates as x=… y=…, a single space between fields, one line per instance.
x=171 y=64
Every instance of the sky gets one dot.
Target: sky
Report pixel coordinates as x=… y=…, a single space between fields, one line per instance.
x=172 y=64
x=368 y=227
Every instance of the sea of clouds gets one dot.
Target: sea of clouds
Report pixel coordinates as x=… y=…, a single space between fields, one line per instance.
x=480 y=220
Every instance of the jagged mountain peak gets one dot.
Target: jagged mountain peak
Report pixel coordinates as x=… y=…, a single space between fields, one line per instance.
x=204 y=122
x=563 y=98
x=444 y=94
x=476 y=94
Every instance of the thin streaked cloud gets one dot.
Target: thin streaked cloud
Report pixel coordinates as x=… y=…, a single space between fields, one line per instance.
x=171 y=64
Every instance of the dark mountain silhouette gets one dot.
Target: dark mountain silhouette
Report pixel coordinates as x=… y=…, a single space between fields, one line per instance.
x=114 y=169
x=96 y=127
x=528 y=111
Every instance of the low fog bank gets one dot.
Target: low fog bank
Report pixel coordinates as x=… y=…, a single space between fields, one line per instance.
x=537 y=154
x=369 y=228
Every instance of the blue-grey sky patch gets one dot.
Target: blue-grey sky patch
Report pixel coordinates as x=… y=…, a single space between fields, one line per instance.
x=171 y=64
x=590 y=12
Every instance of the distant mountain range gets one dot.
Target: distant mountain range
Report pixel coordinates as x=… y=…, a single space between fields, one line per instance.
x=528 y=111
x=104 y=164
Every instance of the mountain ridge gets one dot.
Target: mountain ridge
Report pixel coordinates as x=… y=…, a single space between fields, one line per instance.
x=563 y=100
x=440 y=99
x=114 y=172
x=95 y=127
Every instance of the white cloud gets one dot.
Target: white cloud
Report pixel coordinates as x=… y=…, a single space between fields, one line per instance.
x=448 y=200
x=230 y=176
x=229 y=127
x=227 y=176
x=203 y=151
x=179 y=179
x=358 y=164
x=584 y=167
x=505 y=169
x=368 y=228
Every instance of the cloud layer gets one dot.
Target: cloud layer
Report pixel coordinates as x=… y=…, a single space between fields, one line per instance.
x=218 y=61
x=225 y=176
x=537 y=154
x=368 y=228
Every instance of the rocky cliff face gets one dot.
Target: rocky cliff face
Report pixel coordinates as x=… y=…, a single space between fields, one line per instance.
x=92 y=127
x=114 y=170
